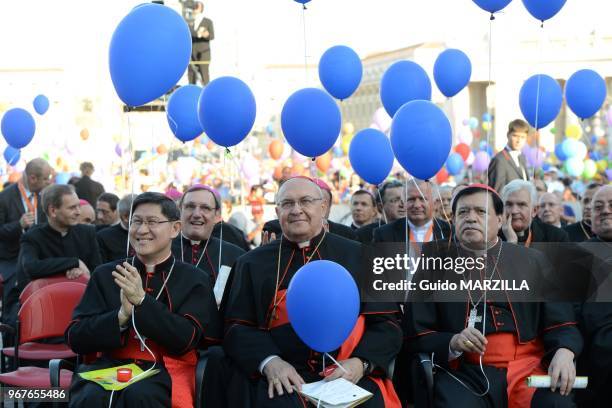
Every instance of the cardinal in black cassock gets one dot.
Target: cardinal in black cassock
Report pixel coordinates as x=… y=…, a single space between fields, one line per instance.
x=153 y=311
x=520 y=338
x=267 y=356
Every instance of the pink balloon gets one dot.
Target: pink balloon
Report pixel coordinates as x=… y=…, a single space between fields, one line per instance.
x=481 y=162
x=382 y=119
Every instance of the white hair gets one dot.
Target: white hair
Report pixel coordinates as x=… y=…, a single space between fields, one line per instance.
x=518 y=185
x=282 y=188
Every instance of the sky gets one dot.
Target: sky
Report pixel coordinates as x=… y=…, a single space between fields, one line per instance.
x=74 y=35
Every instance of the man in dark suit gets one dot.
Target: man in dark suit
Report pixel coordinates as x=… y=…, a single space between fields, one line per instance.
x=510 y=164
x=60 y=246
x=420 y=226
x=86 y=188
x=202 y=33
x=390 y=204
x=20 y=209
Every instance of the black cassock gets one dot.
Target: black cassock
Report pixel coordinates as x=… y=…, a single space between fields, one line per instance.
x=192 y=252
x=579 y=231
x=113 y=241
x=183 y=318
x=536 y=329
x=253 y=331
x=595 y=319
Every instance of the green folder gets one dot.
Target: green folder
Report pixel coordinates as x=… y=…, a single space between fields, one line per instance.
x=107 y=377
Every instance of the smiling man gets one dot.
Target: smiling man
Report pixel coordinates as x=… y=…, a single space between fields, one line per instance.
x=487 y=346
x=259 y=338
x=152 y=311
x=194 y=245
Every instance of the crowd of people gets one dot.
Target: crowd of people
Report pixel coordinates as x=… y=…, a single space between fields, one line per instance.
x=173 y=274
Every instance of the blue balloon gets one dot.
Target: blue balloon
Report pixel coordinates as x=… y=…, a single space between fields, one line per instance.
x=371 y=155
x=560 y=152
x=323 y=305
x=41 y=104
x=402 y=82
x=543 y=9
x=492 y=6
x=570 y=148
x=182 y=113
x=454 y=164
x=18 y=127
x=311 y=121
x=12 y=155
x=540 y=111
x=340 y=71
x=473 y=122
x=452 y=71
x=585 y=93
x=226 y=110
x=421 y=137
x=546 y=166
x=593 y=139
x=486 y=117
x=595 y=156
x=149 y=52
x=62 y=178
x=302 y=1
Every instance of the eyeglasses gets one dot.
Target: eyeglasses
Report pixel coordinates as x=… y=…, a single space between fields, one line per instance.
x=152 y=224
x=204 y=208
x=304 y=202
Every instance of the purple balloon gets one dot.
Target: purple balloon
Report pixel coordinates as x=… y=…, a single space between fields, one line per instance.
x=609 y=174
x=481 y=162
x=609 y=116
x=118 y=150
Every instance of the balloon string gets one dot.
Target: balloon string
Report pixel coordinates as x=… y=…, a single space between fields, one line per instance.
x=131 y=149
x=537 y=111
x=382 y=205
x=313 y=168
x=446 y=217
x=305 y=48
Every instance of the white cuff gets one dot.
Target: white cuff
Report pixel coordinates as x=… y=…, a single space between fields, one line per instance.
x=453 y=355
x=266 y=361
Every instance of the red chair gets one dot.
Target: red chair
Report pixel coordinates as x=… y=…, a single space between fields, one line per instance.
x=36 y=284
x=55 y=303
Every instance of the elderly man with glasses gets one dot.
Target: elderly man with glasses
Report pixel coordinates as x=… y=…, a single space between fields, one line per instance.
x=259 y=339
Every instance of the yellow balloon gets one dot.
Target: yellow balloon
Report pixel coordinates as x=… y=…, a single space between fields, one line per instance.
x=486 y=126
x=573 y=131
x=602 y=165
x=345 y=144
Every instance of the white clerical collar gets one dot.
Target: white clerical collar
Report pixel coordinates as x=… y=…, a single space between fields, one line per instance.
x=192 y=241
x=150 y=268
x=423 y=228
x=304 y=244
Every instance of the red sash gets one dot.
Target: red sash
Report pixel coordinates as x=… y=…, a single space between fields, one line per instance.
x=279 y=317
x=181 y=369
x=520 y=361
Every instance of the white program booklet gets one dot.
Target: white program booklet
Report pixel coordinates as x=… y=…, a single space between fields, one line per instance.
x=338 y=393
x=220 y=283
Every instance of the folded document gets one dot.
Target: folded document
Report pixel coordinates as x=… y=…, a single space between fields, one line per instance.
x=338 y=393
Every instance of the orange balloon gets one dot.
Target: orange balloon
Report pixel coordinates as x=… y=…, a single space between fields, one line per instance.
x=464 y=150
x=162 y=149
x=297 y=169
x=442 y=175
x=275 y=148
x=278 y=173
x=84 y=134
x=14 y=177
x=323 y=162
